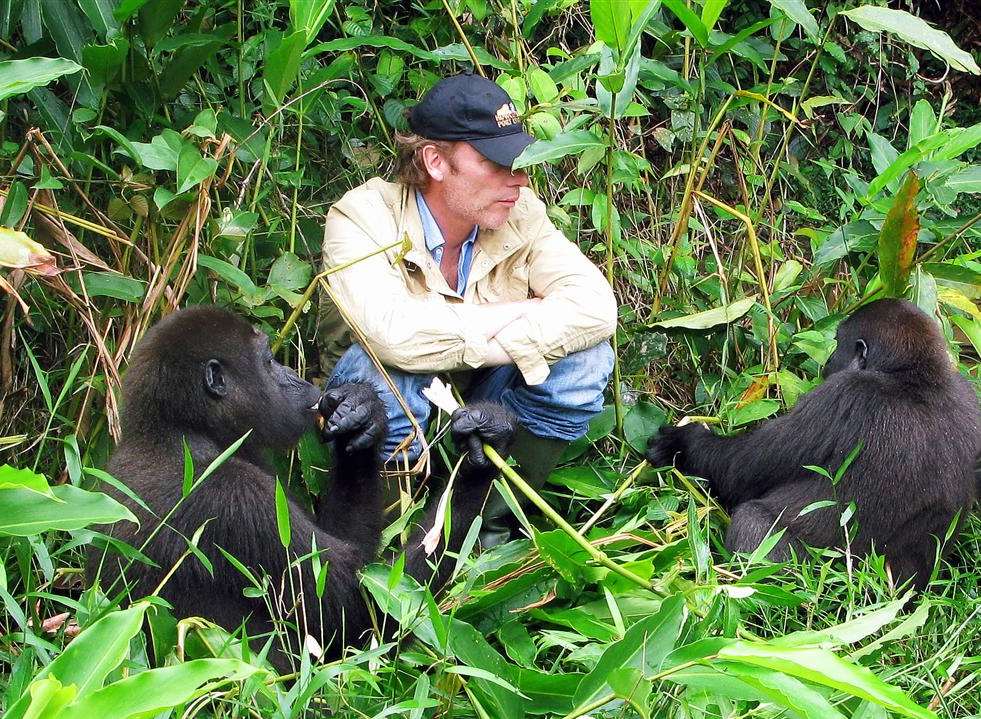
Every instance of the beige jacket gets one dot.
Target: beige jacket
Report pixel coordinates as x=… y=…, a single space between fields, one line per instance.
x=416 y=323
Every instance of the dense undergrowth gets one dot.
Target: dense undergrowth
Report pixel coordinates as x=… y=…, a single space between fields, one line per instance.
x=730 y=165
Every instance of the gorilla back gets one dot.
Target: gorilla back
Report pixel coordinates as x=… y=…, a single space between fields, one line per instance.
x=205 y=377
x=890 y=392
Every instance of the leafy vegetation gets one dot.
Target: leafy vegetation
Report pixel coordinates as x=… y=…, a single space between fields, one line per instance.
x=746 y=171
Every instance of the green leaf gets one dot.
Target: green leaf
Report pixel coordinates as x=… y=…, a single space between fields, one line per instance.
x=690 y=19
x=376 y=41
x=611 y=21
x=883 y=153
x=25 y=513
x=567 y=143
x=310 y=15
x=560 y=551
x=914 y=31
x=643 y=647
x=14 y=207
x=13 y=477
x=192 y=169
x=111 y=284
x=797 y=11
x=19 y=76
x=283 y=64
x=541 y=85
x=897 y=238
x=782 y=690
x=89 y=658
x=711 y=11
x=156 y=690
x=161 y=153
x=100 y=15
x=228 y=272
x=967 y=179
x=282 y=515
x=642 y=421
x=627 y=82
x=290 y=272
x=824 y=668
x=631 y=686
x=922 y=122
x=849 y=632
x=710 y=318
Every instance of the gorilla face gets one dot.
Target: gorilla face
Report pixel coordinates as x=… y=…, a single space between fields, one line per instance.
x=249 y=384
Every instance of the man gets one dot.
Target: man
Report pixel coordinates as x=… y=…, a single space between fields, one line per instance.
x=491 y=291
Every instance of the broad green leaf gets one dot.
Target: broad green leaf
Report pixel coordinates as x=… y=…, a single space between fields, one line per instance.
x=797 y=11
x=100 y=15
x=290 y=272
x=567 y=143
x=914 y=31
x=161 y=153
x=19 y=76
x=541 y=85
x=824 y=668
x=691 y=21
x=282 y=66
x=282 y=515
x=189 y=59
x=897 y=238
x=711 y=11
x=631 y=686
x=156 y=690
x=112 y=284
x=13 y=477
x=611 y=21
x=228 y=272
x=127 y=8
x=25 y=513
x=104 y=62
x=754 y=411
x=854 y=236
x=643 y=647
x=49 y=698
x=971 y=329
x=967 y=179
x=848 y=632
x=89 y=658
x=883 y=154
x=710 y=318
x=192 y=169
x=643 y=420
x=560 y=551
x=812 y=103
x=376 y=41
x=625 y=87
x=782 y=690
x=310 y=16
x=922 y=122
x=14 y=206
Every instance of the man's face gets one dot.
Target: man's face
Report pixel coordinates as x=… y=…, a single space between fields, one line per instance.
x=479 y=190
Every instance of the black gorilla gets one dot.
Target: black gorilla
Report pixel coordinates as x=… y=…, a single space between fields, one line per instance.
x=890 y=389
x=206 y=377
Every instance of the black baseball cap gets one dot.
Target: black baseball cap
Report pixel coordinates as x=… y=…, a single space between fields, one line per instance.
x=473 y=109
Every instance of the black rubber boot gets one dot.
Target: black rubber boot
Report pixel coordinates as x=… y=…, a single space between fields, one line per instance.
x=536 y=457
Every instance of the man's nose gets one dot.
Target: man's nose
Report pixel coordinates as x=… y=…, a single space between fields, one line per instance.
x=519 y=178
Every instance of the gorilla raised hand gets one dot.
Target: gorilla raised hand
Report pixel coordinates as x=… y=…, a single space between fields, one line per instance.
x=205 y=377
x=890 y=389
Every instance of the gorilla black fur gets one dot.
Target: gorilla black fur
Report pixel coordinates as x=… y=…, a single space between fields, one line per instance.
x=206 y=377
x=891 y=389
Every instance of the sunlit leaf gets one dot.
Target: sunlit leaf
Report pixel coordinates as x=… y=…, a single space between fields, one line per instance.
x=897 y=239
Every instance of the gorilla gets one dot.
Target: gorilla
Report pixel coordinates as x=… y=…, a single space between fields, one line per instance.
x=198 y=381
x=891 y=394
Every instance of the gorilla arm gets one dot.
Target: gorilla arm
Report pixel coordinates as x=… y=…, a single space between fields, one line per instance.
x=820 y=431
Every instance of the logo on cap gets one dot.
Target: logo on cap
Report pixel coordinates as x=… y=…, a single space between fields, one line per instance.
x=506 y=115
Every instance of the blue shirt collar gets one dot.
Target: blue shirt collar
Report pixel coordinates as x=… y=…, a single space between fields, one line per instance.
x=430 y=228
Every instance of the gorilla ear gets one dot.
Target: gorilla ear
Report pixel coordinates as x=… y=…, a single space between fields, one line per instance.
x=861 y=352
x=214 y=379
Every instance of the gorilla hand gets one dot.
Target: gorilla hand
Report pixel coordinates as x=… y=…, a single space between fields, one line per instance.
x=671 y=444
x=481 y=422
x=354 y=416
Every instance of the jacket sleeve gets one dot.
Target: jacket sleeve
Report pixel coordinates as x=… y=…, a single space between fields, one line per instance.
x=578 y=309
x=413 y=333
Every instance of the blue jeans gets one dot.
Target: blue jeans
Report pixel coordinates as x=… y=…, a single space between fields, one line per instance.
x=558 y=408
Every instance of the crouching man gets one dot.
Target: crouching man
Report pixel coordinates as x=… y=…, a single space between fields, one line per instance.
x=491 y=291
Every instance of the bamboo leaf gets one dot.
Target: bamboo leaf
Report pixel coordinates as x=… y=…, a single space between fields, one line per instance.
x=20 y=76
x=710 y=318
x=914 y=31
x=566 y=143
x=797 y=11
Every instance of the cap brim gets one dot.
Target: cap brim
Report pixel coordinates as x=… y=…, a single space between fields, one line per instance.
x=504 y=149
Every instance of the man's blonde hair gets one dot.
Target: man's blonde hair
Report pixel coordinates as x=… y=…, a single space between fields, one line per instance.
x=410 y=168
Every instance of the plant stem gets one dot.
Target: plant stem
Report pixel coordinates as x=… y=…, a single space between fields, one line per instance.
x=610 y=144
x=463 y=38
x=536 y=499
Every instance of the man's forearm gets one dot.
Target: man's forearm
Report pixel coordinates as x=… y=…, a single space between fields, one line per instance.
x=492 y=318
x=496 y=355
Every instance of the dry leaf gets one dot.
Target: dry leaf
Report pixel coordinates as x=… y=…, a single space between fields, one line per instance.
x=20 y=252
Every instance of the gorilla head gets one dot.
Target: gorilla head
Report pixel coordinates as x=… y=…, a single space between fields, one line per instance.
x=205 y=370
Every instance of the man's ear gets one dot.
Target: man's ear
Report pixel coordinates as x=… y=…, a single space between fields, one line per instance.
x=214 y=379
x=433 y=162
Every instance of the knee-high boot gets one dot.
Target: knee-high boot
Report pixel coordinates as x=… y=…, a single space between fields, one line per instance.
x=536 y=457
